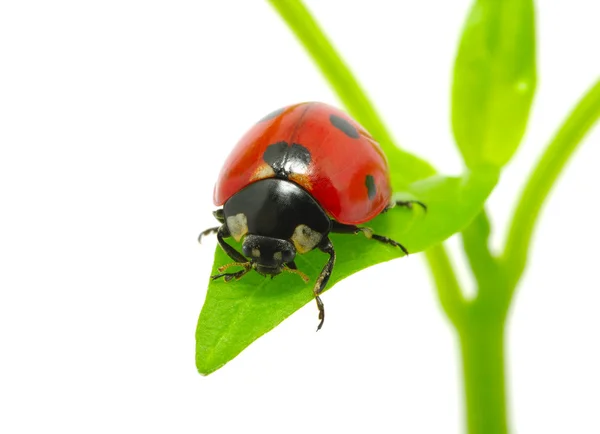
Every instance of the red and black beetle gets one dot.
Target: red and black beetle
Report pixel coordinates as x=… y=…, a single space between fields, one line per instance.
x=300 y=173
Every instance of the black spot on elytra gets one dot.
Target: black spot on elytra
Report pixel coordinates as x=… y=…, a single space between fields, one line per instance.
x=344 y=126
x=272 y=115
x=371 y=189
x=285 y=159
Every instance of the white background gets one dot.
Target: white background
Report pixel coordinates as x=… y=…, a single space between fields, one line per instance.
x=115 y=117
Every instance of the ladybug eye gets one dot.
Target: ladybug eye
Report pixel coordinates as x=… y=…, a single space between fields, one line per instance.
x=288 y=255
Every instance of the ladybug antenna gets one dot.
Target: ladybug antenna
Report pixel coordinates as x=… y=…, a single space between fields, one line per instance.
x=298 y=272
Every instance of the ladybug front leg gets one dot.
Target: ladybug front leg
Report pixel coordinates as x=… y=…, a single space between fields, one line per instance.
x=222 y=233
x=341 y=228
x=327 y=247
x=246 y=266
x=240 y=260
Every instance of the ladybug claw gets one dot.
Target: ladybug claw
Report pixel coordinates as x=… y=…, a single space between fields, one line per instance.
x=421 y=204
x=321 y=312
x=218 y=276
x=228 y=277
x=322 y=318
x=409 y=204
x=397 y=244
x=246 y=266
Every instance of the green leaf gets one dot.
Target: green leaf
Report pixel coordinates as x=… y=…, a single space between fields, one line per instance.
x=237 y=313
x=494 y=80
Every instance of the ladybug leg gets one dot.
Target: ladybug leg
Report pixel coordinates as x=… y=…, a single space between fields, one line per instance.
x=220 y=217
x=385 y=240
x=240 y=260
x=207 y=232
x=406 y=204
x=341 y=228
x=230 y=276
x=222 y=233
x=326 y=247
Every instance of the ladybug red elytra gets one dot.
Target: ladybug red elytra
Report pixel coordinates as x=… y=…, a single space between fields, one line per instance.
x=300 y=173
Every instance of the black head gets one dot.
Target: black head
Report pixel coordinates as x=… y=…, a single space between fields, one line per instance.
x=268 y=254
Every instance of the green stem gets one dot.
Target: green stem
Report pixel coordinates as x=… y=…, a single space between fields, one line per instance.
x=482 y=335
x=475 y=244
x=446 y=283
x=491 y=280
x=482 y=346
x=544 y=176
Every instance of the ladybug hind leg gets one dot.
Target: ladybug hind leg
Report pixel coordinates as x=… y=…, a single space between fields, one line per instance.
x=341 y=228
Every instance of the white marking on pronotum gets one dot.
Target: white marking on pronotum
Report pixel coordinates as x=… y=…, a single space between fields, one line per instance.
x=305 y=239
x=238 y=226
x=262 y=172
x=277 y=256
x=256 y=253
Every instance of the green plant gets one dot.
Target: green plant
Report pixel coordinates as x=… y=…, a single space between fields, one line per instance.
x=494 y=84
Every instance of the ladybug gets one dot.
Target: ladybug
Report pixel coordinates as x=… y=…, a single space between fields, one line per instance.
x=302 y=172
